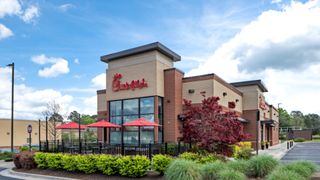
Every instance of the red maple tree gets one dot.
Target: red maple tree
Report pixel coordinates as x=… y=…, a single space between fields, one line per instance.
x=211 y=128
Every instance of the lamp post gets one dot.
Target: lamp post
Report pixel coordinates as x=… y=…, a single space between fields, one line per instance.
x=12 y=102
x=279 y=105
x=257 y=131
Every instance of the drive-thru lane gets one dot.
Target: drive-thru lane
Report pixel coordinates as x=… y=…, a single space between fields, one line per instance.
x=304 y=151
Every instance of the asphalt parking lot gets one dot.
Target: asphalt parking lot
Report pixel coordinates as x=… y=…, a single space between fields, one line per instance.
x=304 y=151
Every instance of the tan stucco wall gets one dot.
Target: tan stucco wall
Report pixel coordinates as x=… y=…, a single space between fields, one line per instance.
x=198 y=86
x=20 y=132
x=135 y=68
x=274 y=114
x=102 y=102
x=250 y=97
x=231 y=96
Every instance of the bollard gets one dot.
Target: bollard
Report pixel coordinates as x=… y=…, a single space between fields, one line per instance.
x=150 y=151
x=288 y=145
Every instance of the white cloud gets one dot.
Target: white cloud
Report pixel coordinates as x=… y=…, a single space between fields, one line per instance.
x=274 y=47
x=9 y=7
x=30 y=13
x=76 y=61
x=29 y=102
x=5 y=32
x=59 y=65
x=99 y=81
x=90 y=105
x=65 y=7
x=276 y=1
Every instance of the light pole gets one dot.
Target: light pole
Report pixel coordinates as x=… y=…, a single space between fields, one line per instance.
x=279 y=105
x=257 y=131
x=12 y=102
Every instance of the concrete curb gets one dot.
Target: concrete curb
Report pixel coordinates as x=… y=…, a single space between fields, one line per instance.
x=281 y=156
x=23 y=175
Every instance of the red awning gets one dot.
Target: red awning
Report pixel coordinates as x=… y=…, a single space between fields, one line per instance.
x=71 y=125
x=140 y=122
x=104 y=124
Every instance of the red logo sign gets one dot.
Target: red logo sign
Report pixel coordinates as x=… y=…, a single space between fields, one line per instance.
x=134 y=84
x=262 y=103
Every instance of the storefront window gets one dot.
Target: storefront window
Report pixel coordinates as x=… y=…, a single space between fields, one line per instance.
x=124 y=111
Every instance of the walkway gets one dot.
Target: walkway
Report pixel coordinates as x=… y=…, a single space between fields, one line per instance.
x=277 y=151
x=4 y=166
x=304 y=151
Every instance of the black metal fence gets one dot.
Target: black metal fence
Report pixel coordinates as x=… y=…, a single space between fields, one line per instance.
x=114 y=149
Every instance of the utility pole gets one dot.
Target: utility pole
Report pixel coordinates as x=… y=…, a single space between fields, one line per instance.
x=12 y=103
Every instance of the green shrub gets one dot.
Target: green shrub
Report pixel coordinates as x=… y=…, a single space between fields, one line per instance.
x=171 y=149
x=6 y=155
x=210 y=171
x=303 y=168
x=40 y=159
x=262 y=165
x=135 y=166
x=54 y=160
x=229 y=174
x=284 y=174
x=24 y=148
x=87 y=163
x=238 y=165
x=69 y=162
x=107 y=164
x=182 y=169
x=243 y=153
x=161 y=162
x=190 y=156
x=201 y=158
x=299 y=140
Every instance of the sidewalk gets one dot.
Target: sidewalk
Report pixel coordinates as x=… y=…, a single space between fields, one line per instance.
x=277 y=151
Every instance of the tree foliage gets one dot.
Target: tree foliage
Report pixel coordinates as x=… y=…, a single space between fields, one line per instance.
x=53 y=113
x=210 y=128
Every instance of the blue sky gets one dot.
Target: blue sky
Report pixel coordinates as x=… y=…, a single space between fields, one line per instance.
x=63 y=31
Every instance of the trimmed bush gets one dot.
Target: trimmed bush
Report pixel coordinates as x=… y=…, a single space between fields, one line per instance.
x=133 y=166
x=238 y=165
x=210 y=171
x=107 y=164
x=262 y=165
x=69 y=162
x=229 y=174
x=303 y=168
x=54 y=160
x=182 y=169
x=40 y=159
x=160 y=163
x=24 y=148
x=86 y=163
x=242 y=150
x=284 y=174
x=201 y=158
x=299 y=140
x=16 y=161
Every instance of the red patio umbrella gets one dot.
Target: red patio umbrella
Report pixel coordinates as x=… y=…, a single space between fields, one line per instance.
x=140 y=122
x=104 y=124
x=71 y=125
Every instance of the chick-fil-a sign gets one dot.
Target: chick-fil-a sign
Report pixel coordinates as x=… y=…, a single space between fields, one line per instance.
x=134 y=84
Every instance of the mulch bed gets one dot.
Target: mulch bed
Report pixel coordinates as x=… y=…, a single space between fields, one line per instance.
x=79 y=175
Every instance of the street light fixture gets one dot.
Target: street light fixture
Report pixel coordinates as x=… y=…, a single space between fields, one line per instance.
x=12 y=102
x=279 y=105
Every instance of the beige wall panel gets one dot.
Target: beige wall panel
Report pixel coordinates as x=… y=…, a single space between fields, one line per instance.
x=20 y=132
x=250 y=97
x=219 y=89
x=133 y=60
x=198 y=86
x=102 y=102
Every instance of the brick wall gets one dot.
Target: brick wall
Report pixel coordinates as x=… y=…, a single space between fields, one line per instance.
x=172 y=104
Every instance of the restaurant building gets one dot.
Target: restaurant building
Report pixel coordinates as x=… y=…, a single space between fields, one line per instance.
x=143 y=82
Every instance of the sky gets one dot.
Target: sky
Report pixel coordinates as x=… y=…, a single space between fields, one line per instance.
x=56 y=47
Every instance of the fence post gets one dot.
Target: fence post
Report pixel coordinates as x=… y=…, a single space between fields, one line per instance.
x=122 y=149
x=165 y=148
x=47 y=146
x=85 y=146
x=190 y=145
x=62 y=144
x=150 y=151
x=179 y=147
x=57 y=146
x=100 y=148
x=40 y=146
x=80 y=147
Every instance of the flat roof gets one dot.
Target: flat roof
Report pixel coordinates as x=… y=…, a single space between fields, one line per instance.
x=141 y=49
x=258 y=83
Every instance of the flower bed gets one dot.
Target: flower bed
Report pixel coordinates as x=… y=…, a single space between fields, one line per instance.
x=188 y=166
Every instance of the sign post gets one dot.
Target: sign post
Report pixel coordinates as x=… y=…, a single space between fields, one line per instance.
x=29 y=129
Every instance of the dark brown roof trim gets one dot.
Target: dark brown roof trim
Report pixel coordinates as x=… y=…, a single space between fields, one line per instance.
x=102 y=91
x=258 y=83
x=211 y=76
x=142 y=49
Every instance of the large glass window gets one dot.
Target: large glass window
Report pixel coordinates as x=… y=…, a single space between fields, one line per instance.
x=124 y=111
